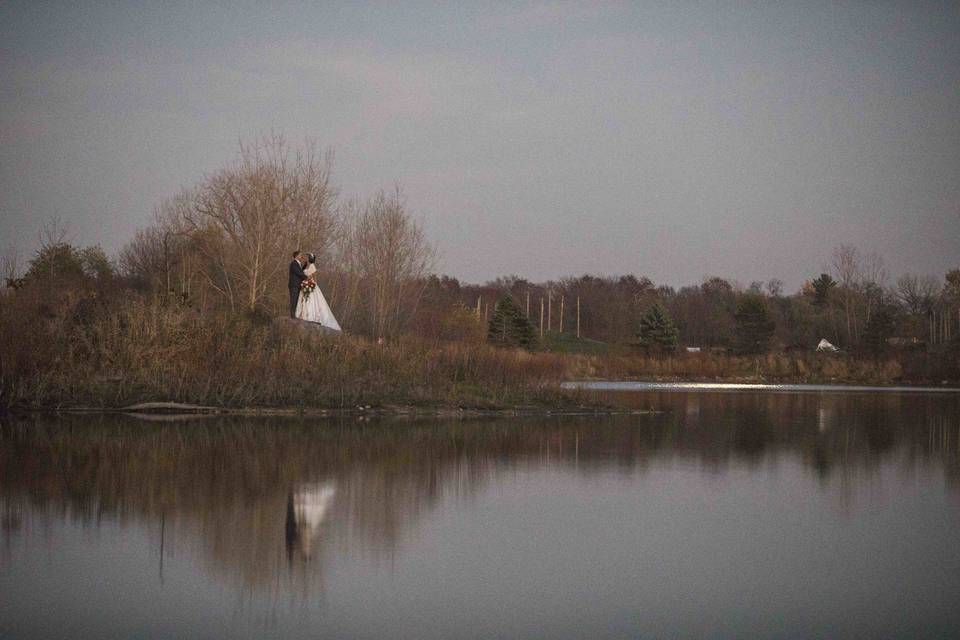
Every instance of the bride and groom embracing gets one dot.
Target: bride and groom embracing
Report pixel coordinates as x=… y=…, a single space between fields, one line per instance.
x=306 y=300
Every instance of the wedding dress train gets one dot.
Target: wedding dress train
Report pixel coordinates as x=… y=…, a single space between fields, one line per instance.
x=315 y=307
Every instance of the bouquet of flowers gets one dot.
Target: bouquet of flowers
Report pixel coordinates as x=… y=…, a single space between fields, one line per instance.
x=307 y=287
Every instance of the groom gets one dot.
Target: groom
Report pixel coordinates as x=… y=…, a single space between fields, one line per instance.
x=296 y=277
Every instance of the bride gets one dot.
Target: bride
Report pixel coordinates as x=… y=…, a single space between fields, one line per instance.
x=314 y=307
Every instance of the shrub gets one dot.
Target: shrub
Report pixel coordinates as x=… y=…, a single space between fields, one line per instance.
x=460 y=323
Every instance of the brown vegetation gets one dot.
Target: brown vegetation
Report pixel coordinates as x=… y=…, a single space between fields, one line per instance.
x=187 y=312
x=901 y=368
x=140 y=348
x=88 y=347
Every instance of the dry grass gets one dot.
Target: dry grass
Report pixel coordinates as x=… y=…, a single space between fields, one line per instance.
x=780 y=367
x=144 y=350
x=109 y=350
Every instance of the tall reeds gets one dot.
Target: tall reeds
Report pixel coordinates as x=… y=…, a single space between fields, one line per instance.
x=142 y=349
x=81 y=347
x=795 y=367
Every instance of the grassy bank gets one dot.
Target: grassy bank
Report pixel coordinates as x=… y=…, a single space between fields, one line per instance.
x=897 y=368
x=142 y=350
x=92 y=353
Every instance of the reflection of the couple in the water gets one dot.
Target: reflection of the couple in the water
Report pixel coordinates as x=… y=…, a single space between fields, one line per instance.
x=307 y=507
x=254 y=499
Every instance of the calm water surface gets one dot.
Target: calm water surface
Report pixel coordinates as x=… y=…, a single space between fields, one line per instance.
x=725 y=515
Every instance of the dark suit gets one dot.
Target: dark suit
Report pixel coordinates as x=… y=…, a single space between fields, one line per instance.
x=296 y=277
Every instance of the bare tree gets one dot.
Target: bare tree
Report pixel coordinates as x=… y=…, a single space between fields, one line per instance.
x=387 y=254
x=249 y=216
x=873 y=270
x=11 y=265
x=917 y=294
x=873 y=280
x=53 y=232
x=142 y=257
x=775 y=287
x=163 y=253
x=846 y=263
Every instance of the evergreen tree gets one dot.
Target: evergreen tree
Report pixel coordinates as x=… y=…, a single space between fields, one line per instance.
x=754 y=325
x=822 y=287
x=880 y=327
x=509 y=327
x=657 y=330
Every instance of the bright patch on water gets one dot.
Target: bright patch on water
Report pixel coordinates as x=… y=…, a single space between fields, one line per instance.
x=605 y=385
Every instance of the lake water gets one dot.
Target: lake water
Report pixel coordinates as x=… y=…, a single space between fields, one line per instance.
x=748 y=514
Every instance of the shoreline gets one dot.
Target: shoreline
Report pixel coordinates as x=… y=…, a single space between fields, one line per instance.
x=163 y=410
x=393 y=411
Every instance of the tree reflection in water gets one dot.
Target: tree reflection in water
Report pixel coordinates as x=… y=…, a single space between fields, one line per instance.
x=259 y=501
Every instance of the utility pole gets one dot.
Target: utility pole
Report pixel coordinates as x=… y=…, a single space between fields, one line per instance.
x=166 y=262
x=541 y=316
x=561 y=314
x=578 y=317
x=549 y=309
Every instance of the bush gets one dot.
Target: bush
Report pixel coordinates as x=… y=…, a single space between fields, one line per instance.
x=67 y=263
x=460 y=323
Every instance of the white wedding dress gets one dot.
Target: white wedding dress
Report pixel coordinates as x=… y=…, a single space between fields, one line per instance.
x=315 y=308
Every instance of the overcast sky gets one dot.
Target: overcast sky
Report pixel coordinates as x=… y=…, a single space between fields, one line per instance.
x=673 y=140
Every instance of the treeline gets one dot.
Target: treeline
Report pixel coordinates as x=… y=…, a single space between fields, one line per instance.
x=223 y=245
x=186 y=309
x=377 y=285
x=856 y=308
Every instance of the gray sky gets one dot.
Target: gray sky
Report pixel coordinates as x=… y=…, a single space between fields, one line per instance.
x=673 y=140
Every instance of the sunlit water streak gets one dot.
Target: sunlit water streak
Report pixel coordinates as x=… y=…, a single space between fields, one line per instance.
x=619 y=385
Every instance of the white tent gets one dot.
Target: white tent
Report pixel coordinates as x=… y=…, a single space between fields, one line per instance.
x=826 y=346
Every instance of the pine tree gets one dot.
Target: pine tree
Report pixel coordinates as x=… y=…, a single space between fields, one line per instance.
x=509 y=327
x=754 y=325
x=880 y=327
x=657 y=330
x=822 y=287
